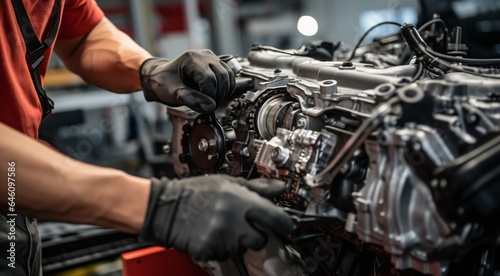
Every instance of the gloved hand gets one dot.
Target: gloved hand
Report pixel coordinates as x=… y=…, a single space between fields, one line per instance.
x=211 y=217
x=197 y=79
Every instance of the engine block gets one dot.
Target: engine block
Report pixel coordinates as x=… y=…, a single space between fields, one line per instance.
x=401 y=159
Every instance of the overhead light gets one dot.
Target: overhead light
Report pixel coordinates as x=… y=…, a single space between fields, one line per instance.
x=307 y=25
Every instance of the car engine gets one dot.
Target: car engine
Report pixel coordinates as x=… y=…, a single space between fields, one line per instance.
x=390 y=151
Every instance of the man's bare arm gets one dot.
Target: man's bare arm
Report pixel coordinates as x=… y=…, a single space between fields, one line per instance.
x=105 y=57
x=52 y=186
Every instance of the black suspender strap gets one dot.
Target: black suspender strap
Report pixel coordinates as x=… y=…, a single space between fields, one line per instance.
x=35 y=49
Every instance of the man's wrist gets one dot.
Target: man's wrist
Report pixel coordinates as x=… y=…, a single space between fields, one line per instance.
x=145 y=71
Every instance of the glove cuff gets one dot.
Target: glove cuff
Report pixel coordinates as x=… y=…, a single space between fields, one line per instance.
x=144 y=76
x=163 y=204
x=147 y=231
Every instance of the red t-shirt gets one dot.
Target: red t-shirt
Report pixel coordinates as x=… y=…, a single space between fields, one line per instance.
x=19 y=104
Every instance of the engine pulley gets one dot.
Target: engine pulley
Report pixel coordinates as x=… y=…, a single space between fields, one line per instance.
x=204 y=145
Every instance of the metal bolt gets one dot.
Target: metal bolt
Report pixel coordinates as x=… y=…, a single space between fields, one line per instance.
x=301 y=123
x=327 y=88
x=166 y=149
x=234 y=123
x=235 y=104
x=347 y=64
x=279 y=155
x=203 y=144
x=245 y=152
x=275 y=152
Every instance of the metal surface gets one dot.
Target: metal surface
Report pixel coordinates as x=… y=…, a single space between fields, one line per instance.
x=361 y=145
x=395 y=208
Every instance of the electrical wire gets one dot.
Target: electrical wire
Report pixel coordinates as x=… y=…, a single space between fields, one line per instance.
x=367 y=32
x=435 y=56
x=273 y=49
x=456 y=67
x=435 y=61
x=473 y=61
x=419 y=73
x=431 y=22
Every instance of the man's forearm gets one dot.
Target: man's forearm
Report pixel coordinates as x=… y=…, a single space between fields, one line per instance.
x=105 y=57
x=49 y=185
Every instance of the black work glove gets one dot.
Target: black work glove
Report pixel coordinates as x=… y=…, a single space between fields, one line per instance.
x=196 y=79
x=212 y=217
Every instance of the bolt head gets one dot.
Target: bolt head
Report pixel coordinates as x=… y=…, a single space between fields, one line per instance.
x=245 y=152
x=347 y=64
x=203 y=145
x=166 y=149
x=279 y=155
x=275 y=152
x=234 y=124
x=301 y=123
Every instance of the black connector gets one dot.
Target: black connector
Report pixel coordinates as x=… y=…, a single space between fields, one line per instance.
x=412 y=37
